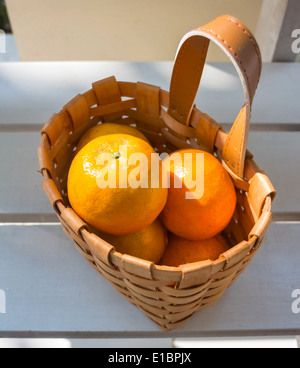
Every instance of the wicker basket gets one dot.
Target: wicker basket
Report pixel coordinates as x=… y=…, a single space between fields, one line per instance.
x=168 y=296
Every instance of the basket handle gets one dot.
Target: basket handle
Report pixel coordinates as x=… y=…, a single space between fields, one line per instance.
x=240 y=46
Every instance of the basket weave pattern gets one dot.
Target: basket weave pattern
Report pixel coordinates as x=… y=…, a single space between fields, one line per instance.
x=168 y=296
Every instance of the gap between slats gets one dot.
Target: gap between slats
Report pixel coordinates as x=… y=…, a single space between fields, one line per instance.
x=255 y=127
x=51 y=219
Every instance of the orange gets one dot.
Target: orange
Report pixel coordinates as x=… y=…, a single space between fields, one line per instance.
x=201 y=216
x=181 y=251
x=110 y=193
x=148 y=244
x=106 y=129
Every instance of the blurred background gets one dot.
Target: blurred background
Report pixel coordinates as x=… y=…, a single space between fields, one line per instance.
x=135 y=30
x=4 y=21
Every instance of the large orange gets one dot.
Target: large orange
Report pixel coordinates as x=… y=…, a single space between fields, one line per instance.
x=181 y=251
x=106 y=129
x=106 y=192
x=148 y=244
x=200 y=217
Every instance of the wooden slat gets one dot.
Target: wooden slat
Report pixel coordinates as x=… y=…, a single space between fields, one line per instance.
x=31 y=92
x=52 y=291
x=20 y=186
x=277 y=154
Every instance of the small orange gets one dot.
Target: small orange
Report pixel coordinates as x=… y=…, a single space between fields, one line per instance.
x=204 y=216
x=148 y=244
x=106 y=129
x=181 y=251
x=101 y=190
